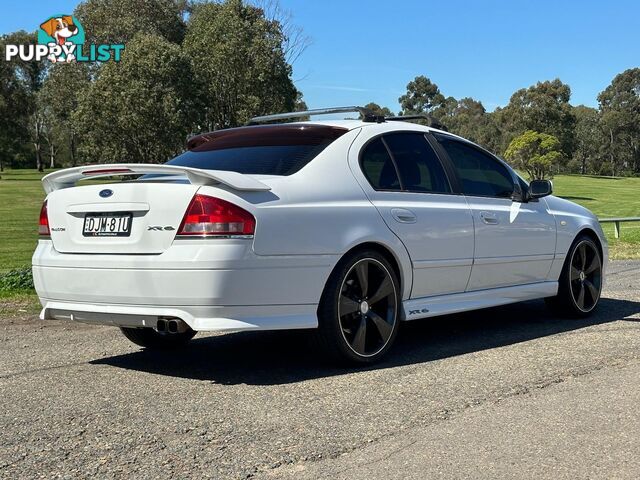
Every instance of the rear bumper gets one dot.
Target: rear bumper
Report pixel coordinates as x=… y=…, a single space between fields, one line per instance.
x=212 y=287
x=199 y=318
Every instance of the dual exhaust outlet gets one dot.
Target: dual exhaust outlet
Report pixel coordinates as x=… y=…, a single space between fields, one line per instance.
x=171 y=325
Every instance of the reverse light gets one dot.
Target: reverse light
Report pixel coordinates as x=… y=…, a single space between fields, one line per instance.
x=210 y=216
x=43 y=226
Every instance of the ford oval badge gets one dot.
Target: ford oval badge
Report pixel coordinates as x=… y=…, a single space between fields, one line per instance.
x=106 y=193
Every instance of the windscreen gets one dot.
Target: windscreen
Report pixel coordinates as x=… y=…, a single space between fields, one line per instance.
x=263 y=150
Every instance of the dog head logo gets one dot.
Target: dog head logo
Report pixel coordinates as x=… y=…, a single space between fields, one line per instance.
x=62 y=33
x=61 y=39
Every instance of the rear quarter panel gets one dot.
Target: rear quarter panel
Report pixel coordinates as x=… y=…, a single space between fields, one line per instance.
x=320 y=210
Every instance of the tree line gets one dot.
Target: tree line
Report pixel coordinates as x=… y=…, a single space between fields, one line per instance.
x=190 y=67
x=187 y=67
x=539 y=130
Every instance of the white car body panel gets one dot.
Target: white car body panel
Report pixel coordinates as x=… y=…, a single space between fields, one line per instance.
x=516 y=247
x=463 y=302
x=67 y=208
x=305 y=223
x=571 y=219
x=439 y=241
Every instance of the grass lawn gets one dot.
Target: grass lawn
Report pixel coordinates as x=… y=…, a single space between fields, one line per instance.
x=16 y=304
x=607 y=197
x=21 y=197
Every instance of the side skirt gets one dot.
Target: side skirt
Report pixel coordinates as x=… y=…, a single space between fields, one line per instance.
x=425 y=307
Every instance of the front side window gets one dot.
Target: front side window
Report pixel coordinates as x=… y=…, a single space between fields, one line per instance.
x=480 y=174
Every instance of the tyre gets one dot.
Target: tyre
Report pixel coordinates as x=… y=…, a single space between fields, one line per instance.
x=149 y=338
x=358 y=315
x=580 y=282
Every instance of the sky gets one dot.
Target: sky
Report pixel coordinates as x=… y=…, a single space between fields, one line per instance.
x=367 y=51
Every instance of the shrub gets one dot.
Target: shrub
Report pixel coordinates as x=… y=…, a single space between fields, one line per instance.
x=18 y=279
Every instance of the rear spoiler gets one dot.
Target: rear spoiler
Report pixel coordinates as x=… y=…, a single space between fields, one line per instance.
x=68 y=177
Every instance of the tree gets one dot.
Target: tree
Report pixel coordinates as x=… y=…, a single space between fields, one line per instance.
x=543 y=107
x=535 y=153
x=589 y=139
x=468 y=118
x=30 y=74
x=140 y=109
x=620 y=107
x=14 y=113
x=118 y=21
x=300 y=105
x=378 y=110
x=239 y=63
x=60 y=92
x=295 y=41
x=422 y=96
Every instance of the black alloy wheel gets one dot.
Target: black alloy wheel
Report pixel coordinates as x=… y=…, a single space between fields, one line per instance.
x=359 y=312
x=585 y=276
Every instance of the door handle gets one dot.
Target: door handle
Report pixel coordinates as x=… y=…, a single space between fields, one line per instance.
x=402 y=215
x=489 y=218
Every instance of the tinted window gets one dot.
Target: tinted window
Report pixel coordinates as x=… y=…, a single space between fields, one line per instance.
x=419 y=167
x=378 y=167
x=267 y=150
x=266 y=160
x=480 y=174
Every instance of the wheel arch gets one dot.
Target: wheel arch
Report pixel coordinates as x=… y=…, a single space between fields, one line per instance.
x=589 y=232
x=398 y=264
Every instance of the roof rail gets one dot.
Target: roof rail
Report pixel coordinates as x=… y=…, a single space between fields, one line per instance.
x=432 y=122
x=367 y=115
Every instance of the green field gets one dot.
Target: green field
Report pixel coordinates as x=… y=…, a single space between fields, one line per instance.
x=607 y=197
x=21 y=197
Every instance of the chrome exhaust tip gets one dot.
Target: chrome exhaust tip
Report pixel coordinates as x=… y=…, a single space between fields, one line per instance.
x=172 y=326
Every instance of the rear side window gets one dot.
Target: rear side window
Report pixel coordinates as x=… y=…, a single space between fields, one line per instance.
x=419 y=167
x=403 y=161
x=265 y=150
x=378 y=167
x=481 y=175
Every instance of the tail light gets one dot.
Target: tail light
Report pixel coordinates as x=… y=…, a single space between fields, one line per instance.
x=43 y=227
x=212 y=216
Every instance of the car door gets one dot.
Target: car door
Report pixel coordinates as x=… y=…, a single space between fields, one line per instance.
x=408 y=185
x=514 y=241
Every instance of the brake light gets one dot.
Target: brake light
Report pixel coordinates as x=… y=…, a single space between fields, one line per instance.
x=43 y=227
x=212 y=216
x=107 y=171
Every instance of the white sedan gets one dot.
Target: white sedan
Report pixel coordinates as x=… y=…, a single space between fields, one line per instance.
x=350 y=227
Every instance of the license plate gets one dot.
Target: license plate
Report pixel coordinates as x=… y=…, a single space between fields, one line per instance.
x=107 y=225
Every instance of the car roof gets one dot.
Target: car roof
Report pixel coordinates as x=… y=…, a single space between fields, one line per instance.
x=325 y=126
x=388 y=125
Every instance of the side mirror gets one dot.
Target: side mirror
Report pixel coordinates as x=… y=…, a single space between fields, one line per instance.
x=540 y=188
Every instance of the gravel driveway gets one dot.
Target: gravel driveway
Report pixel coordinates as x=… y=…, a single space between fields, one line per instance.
x=477 y=394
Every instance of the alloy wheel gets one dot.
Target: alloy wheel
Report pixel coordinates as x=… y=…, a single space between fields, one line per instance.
x=367 y=307
x=585 y=276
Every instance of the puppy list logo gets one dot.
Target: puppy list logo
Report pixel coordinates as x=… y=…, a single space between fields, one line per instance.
x=61 y=39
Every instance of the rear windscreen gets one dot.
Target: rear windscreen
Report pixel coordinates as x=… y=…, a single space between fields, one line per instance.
x=264 y=150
